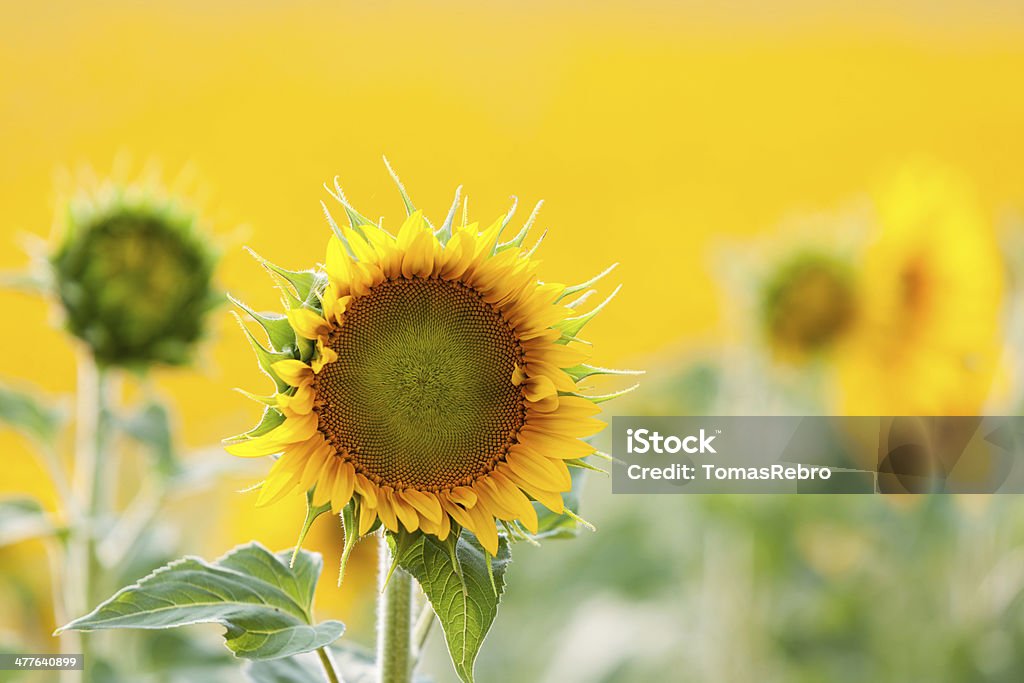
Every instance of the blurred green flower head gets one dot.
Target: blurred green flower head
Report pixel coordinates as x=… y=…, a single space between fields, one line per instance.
x=134 y=277
x=807 y=304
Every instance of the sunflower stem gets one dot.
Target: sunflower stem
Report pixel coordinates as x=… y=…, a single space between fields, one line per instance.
x=325 y=661
x=394 y=622
x=91 y=491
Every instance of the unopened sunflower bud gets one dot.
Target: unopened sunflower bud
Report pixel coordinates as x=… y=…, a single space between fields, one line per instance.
x=134 y=278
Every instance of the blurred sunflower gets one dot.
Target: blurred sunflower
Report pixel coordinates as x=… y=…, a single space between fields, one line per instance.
x=932 y=284
x=793 y=306
x=435 y=382
x=808 y=305
x=133 y=276
x=795 y=290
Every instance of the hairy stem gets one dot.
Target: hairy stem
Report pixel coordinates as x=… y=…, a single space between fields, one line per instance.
x=325 y=661
x=91 y=492
x=394 y=622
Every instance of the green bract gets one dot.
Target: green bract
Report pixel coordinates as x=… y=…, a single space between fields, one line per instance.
x=134 y=278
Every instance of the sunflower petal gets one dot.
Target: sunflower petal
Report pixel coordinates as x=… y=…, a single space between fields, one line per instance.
x=315 y=463
x=307 y=323
x=325 y=482
x=406 y=513
x=339 y=264
x=386 y=509
x=553 y=445
x=538 y=388
x=425 y=503
x=300 y=403
x=484 y=528
x=366 y=489
x=515 y=499
x=294 y=372
x=549 y=499
x=551 y=475
x=344 y=485
x=367 y=516
x=463 y=495
x=491 y=501
x=456 y=512
x=275 y=488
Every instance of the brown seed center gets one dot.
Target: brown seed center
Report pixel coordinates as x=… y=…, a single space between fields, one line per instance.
x=421 y=395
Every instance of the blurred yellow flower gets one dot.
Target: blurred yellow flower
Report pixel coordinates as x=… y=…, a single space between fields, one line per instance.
x=932 y=287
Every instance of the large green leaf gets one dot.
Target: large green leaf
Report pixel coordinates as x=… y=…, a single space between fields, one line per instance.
x=462 y=596
x=264 y=604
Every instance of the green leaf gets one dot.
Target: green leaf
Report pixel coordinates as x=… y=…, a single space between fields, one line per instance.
x=22 y=518
x=462 y=595
x=28 y=414
x=264 y=605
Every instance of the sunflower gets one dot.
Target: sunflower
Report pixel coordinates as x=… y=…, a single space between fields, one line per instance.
x=932 y=286
x=134 y=276
x=808 y=305
x=432 y=383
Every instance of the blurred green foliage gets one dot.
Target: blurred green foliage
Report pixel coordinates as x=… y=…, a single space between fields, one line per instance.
x=794 y=589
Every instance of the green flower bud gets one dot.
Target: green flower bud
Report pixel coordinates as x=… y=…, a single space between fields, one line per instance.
x=135 y=279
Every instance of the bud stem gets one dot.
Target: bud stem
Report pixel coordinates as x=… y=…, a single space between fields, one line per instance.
x=91 y=491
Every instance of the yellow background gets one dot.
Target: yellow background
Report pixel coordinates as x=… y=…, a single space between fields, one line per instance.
x=651 y=129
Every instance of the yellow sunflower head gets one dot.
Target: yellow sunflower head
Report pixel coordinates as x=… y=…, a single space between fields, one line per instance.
x=427 y=380
x=931 y=333
x=134 y=276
